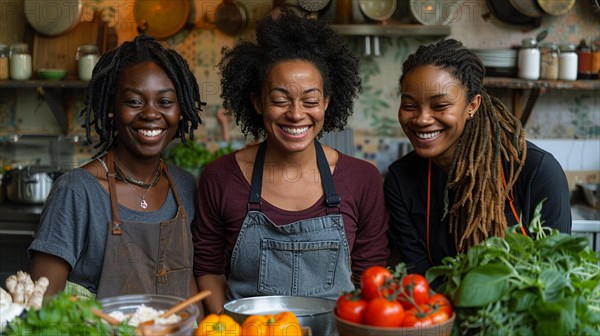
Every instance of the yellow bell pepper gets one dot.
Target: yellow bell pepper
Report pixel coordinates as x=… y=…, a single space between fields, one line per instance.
x=218 y=325
x=281 y=324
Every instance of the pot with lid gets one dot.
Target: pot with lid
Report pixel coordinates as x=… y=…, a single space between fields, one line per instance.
x=30 y=184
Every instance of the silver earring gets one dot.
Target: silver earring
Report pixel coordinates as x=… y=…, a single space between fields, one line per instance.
x=470 y=115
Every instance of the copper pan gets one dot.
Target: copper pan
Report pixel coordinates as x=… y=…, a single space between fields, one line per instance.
x=161 y=19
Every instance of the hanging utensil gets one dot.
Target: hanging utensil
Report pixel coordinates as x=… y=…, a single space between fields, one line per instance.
x=313 y=6
x=376 y=10
x=161 y=19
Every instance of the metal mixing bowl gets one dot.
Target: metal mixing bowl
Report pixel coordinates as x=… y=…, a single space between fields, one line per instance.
x=312 y=312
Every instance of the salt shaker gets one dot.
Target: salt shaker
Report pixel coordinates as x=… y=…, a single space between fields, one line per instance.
x=4 y=72
x=20 y=61
x=529 y=59
x=567 y=62
x=87 y=56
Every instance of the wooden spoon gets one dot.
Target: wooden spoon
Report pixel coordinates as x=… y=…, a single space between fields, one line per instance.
x=181 y=305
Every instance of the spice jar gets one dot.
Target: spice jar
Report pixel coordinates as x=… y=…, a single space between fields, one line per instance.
x=596 y=59
x=549 y=61
x=584 y=61
x=567 y=62
x=529 y=59
x=19 y=61
x=4 y=71
x=87 y=56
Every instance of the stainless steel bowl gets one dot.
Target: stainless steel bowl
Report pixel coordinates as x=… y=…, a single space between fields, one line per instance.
x=311 y=311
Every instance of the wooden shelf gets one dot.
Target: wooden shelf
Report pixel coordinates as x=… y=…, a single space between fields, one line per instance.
x=51 y=91
x=526 y=92
x=397 y=30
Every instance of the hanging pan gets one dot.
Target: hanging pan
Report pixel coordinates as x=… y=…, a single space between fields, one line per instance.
x=504 y=12
x=52 y=18
x=556 y=7
x=161 y=19
x=231 y=17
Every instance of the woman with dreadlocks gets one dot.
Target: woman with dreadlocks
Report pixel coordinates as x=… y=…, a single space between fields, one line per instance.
x=305 y=219
x=472 y=173
x=120 y=224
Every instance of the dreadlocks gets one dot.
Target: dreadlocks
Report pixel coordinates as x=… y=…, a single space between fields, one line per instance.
x=491 y=137
x=100 y=93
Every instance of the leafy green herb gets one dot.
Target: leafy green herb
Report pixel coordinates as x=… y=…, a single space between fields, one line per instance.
x=549 y=285
x=194 y=154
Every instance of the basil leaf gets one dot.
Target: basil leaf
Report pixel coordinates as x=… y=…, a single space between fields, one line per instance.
x=483 y=285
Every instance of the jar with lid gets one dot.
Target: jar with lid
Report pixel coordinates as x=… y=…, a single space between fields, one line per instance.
x=584 y=61
x=596 y=59
x=529 y=59
x=4 y=72
x=567 y=62
x=549 y=61
x=20 y=61
x=87 y=56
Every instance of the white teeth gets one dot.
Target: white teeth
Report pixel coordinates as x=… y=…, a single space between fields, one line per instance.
x=427 y=135
x=295 y=131
x=149 y=133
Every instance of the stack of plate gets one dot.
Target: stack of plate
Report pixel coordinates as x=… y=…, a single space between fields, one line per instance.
x=498 y=62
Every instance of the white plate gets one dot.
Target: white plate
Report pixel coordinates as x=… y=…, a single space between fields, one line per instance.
x=432 y=12
x=378 y=10
x=52 y=18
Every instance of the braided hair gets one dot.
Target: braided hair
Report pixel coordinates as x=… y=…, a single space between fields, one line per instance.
x=492 y=136
x=100 y=92
x=289 y=36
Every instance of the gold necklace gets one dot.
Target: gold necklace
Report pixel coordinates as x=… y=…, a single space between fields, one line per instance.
x=122 y=176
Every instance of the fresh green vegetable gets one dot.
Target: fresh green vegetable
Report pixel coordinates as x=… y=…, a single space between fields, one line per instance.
x=194 y=154
x=61 y=315
x=549 y=285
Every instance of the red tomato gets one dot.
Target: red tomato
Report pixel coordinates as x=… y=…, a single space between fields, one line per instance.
x=372 y=280
x=424 y=316
x=440 y=302
x=416 y=291
x=382 y=312
x=350 y=307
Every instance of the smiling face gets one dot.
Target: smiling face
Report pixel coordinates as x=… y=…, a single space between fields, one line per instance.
x=433 y=112
x=292 y=105
x=146 y=110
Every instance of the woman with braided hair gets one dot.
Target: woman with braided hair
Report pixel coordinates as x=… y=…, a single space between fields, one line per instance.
x=472 y=173
x=120 y=224
x=304 y=219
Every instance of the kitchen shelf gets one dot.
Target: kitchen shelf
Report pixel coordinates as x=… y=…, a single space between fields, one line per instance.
x=526 y=92
x=396 y=30
x=51 y=91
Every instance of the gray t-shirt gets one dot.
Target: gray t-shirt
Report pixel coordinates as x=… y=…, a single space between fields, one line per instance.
x=76 y=214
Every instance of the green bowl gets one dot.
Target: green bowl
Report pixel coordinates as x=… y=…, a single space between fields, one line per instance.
x=52 y=74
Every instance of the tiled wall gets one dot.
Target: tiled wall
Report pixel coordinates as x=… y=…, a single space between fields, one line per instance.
x=374 y=133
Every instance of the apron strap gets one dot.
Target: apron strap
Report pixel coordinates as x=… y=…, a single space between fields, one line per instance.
x=332 y=199
x=331 y=196
x=172 y=186
x=257 y=176
x=117 y=225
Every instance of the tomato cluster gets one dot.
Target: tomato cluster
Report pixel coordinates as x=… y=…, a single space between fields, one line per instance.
x=393 y=300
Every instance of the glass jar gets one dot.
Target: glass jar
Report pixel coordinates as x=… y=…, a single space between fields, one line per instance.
x=596 y=59
x=549 y=61
x=529 y=59
x=584 y=61
x=567 y=62
x=87 y=56
x=20 y=62
x=4 y=71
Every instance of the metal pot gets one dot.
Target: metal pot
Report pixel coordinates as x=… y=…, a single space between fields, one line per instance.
x=31 y=184
x=311 y=312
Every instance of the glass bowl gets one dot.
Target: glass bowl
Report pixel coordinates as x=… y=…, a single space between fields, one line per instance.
x=128 y=304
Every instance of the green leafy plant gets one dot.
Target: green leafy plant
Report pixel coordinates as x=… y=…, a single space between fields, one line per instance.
x=194 y=155
x=62 y=315
x=546 y=285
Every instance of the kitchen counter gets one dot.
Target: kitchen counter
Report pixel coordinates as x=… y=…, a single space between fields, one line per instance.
x=19 y=218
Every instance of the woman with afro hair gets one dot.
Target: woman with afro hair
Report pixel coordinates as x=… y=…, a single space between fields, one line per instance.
x=120 y=224
x=288 y=216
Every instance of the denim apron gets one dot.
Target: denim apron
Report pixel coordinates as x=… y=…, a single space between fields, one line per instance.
x=309 y=257
x=146 y=258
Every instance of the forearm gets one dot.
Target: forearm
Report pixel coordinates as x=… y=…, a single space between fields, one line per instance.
x=52 y=267
x=217 y=284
